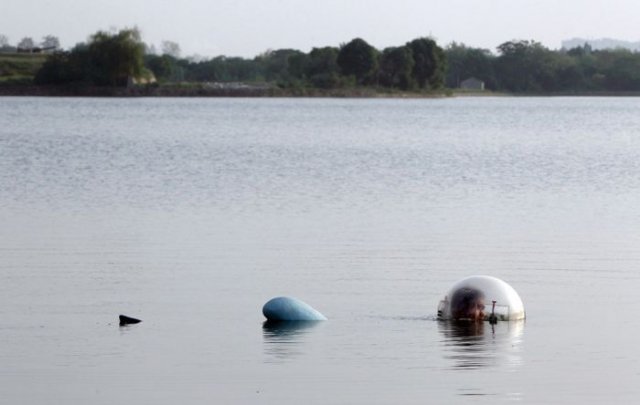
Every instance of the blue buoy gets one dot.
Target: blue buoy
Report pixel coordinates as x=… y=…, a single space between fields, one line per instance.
x=290 y=309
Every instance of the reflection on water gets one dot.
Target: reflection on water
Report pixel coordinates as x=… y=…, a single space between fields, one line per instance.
x=284 y=340
x=473 y=345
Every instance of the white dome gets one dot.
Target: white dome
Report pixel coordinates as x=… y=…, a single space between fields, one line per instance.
x=508 y=305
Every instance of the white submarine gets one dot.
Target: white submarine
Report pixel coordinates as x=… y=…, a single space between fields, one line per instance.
x=481 y=298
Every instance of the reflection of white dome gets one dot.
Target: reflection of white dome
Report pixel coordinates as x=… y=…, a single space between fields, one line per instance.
x=508 y=305
x=475 y=345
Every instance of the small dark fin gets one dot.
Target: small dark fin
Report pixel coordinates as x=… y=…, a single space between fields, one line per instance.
x=125 y=320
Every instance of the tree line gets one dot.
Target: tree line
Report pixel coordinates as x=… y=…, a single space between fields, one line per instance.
x=421 y=64
x=27 y=44
x=111 y=58
x=107 y=59
x=530 y=67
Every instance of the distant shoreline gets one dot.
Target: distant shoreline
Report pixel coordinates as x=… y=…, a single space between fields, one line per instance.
x=200 y=90
x=22 y=90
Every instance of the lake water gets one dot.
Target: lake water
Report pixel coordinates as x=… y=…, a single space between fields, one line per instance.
x=191 y=213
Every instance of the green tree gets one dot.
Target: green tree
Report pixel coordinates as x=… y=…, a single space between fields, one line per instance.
x=240 y=69
x=56 y=70
x=116 y=57
x=322 y=68
x=66 y=67
x=297 y=65
x=359 y=59
x=569 y=73
x=526 y=66
x=429 y=63
x=464 y=62
x=108 y=59
x=222 y=69
x=396 y=65
x=284 y=66
x=620 y=69
x=164 y=68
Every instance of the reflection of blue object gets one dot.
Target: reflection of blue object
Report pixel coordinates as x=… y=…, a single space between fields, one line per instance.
x=284 y=340
x=284 y=330
x=290 y=309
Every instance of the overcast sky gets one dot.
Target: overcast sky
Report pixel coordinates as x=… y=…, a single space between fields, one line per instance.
x=249 y=27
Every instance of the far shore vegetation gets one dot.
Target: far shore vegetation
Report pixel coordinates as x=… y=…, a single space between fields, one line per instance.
x=121 y=64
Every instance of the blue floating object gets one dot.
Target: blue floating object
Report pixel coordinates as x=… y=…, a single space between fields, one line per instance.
x=290 y=309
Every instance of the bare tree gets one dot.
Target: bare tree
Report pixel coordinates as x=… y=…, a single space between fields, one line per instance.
x=26 y=43
x=150 y=49
x=50 y=41
x=170 y=48
x=4 y=41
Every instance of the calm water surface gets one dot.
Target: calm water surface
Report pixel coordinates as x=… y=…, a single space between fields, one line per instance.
x=191 y=213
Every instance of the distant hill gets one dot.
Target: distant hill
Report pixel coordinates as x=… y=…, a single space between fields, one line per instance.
x=602 y=43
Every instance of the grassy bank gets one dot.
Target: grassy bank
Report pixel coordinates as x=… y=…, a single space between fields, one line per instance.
x=19 y=68
x=25 y=87
x=205 y=90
